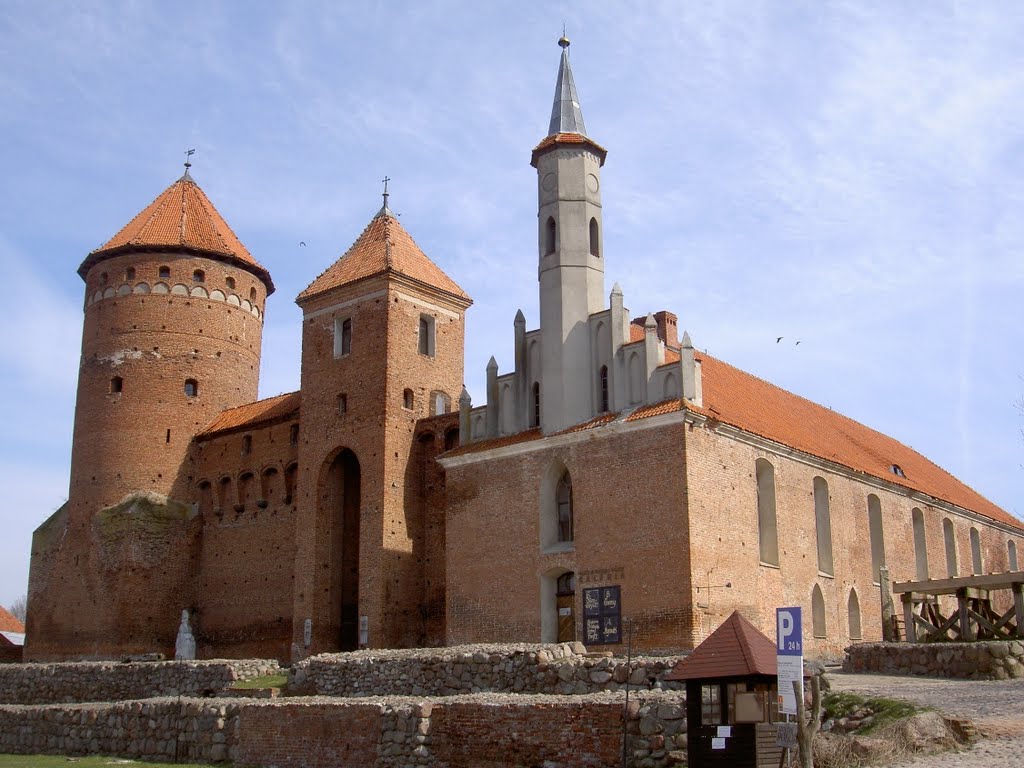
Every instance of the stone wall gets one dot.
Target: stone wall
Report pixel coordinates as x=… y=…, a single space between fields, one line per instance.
x=471 y=731
x=992 y=660
x=522 y=668
x=111 y=681
x=169 y=730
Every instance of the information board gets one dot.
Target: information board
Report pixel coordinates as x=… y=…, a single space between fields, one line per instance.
x=602 y=615
x=789 y=653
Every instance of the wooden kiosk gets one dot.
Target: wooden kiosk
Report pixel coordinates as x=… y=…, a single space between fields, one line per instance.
x=731 y=698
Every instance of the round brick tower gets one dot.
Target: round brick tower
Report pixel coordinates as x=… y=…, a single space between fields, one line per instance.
x=173 y=325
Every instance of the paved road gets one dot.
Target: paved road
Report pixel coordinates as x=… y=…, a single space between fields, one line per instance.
x=995 y=706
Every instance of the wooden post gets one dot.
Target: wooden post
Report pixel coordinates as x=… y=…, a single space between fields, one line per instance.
x=888 y=609
x=1018 y=607
x=965 y=617
x=909 y=626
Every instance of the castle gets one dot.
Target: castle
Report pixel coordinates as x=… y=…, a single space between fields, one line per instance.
x=617 y=484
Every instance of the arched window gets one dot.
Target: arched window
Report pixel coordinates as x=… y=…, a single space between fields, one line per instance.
x=594 y=246
x=604 y=387
x=451 y=439
x=637 y=385
x=268 y=486
x=291 y=476
x=853 y=614
x=949 y=537
x=549 y=236
x=920 y=544
x=293 y=434
x=191 y=388
x=1011 y=555
x=230 y=282
x=877 y=536
x=116 y=385
x=252 y=294
x=245 y=489
x=563 y=504
x=407 y=399
x=223 y=493
x=342 y=336
x=199 y=276
x=767 y=532
x=535 y=422
x=426 y=335
x=976 y=561
x=823 y=526
x=818 y=612
x=205 y=497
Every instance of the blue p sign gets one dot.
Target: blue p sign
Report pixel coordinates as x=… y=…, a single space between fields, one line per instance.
x=789 y=632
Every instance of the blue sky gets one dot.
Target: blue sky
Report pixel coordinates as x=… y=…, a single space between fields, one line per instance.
x=849 y=174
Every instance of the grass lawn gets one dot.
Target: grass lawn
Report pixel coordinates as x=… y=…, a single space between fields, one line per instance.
x=59 y=761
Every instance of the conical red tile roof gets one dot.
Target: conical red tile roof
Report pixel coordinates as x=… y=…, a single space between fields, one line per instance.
x=181 y=218
x=384 y=246
x=736 y=649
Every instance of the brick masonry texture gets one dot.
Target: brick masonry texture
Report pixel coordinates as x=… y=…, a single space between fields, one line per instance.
x=991 y=660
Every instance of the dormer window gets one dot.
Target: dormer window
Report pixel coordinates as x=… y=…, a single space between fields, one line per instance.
x=897 y=470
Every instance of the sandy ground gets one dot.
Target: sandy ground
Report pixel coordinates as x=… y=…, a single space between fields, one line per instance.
x=995 y=706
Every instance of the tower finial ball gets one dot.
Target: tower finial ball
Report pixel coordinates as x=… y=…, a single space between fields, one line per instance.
x=563 y=41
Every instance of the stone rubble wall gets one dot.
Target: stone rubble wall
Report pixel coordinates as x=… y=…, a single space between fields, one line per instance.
x=467 y=731
x=983 y=660
x=521 y=668
x=112 y=681
x=483 y=730
x=167 y=730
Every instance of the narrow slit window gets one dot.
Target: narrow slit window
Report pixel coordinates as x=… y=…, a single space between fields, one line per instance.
x=767 y=528
x=426 y=335
x=199 y=276
x=129 y=274
x=293 y=434
x=116 y=385
x=230 y=281
x=165 y=272
x=342 y=336
x=407 y=399
x=604 y=388
x=191 y=388
x=536 y=405
x=594 y=240
x=563 y=504
x=342 y=409
x=246 y=445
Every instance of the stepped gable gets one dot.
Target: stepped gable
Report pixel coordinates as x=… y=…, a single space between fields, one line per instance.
x=9 y=622
x=736 y=649
x=384 y=247
x=182 y=218
x=272 y=409
x=737 y=398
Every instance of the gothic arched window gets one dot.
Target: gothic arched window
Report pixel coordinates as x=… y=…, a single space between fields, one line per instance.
x=594 y=247
x=563 y=504
x=604 y=388
x=549 y=236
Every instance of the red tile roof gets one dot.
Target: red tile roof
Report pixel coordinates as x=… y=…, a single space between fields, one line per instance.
x=279 y=408
x=496 y=442
x=9 y=622
x=736 y=649
x=567 y=138
x=734 y=397
x=384 y=246
x=181 y=218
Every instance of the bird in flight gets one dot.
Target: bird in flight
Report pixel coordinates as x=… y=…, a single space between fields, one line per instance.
x=778 y=339
x=302 y=243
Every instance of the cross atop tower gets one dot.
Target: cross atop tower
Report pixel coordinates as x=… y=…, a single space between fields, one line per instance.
x=384 y=210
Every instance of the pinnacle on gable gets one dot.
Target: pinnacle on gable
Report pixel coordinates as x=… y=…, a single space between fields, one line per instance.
x=520 y=318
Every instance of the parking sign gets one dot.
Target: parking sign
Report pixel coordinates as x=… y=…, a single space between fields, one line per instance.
x=789 y=650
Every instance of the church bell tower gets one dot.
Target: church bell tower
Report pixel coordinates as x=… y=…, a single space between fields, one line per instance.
x=570 y=254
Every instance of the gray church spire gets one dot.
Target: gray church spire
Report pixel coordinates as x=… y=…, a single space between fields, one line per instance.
x=566 y=116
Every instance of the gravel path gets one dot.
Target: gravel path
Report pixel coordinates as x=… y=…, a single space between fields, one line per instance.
x=995 y=706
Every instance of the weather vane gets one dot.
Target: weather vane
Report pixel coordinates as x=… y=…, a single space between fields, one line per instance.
x=188 y=155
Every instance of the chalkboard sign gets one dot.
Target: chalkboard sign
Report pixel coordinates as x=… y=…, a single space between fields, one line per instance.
x=602 y=615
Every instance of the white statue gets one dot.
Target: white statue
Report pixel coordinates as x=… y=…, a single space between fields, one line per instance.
x=185 y=645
